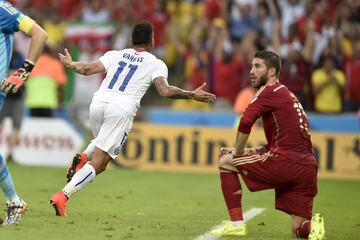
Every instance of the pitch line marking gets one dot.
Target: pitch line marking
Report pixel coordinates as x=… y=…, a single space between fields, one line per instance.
x=247 y=216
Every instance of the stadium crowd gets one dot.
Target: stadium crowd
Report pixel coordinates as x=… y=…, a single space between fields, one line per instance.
x=214 y=41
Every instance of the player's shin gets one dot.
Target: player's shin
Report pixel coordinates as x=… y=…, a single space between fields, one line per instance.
x=231 y=188
x=85 y=175
x=6 y=183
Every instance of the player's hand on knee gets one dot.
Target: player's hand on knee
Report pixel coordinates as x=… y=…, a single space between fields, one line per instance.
x=226 y=150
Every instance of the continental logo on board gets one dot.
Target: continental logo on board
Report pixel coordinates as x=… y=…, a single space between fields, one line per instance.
x=188 y=148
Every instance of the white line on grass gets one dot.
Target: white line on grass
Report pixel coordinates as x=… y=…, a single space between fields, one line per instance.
x=247 y=216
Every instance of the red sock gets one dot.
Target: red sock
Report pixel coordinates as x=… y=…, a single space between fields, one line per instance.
x=304 y=230
x=229 y=185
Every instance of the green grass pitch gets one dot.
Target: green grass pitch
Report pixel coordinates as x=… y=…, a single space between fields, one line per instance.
x=129 y=204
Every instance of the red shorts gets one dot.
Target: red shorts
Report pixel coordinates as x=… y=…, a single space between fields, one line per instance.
x=295 y=184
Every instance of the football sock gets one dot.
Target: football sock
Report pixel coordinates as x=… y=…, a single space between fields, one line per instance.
x=231 y=188
x=85 y=175
x=6 y=183
x=237 y=223
x=304 y=230
x=89 y=149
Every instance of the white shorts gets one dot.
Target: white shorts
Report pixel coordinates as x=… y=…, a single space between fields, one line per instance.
x=110 y=125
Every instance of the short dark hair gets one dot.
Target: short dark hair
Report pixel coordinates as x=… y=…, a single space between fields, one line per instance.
x=271 y=59
x=142 y=34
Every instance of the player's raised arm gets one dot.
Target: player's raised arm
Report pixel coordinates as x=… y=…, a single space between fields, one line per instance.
x=81 y=67
x=170 y=91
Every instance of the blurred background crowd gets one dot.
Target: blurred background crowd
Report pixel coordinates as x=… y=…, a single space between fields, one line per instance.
x=210 y=41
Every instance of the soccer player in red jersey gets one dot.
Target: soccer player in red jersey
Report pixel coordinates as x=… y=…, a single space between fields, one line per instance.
x=286 y=163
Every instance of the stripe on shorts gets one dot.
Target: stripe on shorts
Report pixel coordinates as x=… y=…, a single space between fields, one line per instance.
x=251 y=159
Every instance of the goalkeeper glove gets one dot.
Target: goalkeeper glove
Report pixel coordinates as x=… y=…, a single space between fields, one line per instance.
x=18 y=78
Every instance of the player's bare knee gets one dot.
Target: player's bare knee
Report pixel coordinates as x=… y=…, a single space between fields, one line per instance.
x=225 y=162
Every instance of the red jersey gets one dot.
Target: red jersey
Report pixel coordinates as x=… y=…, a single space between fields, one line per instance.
x=285 y=123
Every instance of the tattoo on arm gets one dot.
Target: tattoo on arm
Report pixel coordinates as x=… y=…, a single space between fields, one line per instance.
x=80 y=67
x=178 y=93
x=170 y=91
x=88 y=68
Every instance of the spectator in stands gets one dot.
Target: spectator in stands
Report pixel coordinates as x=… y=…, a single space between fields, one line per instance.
x=196 y=66
x=159 y=18
x=296 y=59
x=290 y=11
x=245 y=19
x=46 y=88
x=345 y=28
x=266 y=16
x=328 y=85
x=352 y=86
x=55 y=26
x=228 y=67
x=95 y=12
x=213 y=9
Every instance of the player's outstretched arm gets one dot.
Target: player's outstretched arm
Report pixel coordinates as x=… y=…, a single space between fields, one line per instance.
x=81 y=67
x=174 y=92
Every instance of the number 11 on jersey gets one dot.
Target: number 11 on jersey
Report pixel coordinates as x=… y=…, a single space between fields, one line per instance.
x=127 y=78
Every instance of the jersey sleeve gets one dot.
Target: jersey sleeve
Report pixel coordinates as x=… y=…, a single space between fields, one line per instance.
x=257 y=107
x=107 y=59
x=161 y=70
x=9 y=18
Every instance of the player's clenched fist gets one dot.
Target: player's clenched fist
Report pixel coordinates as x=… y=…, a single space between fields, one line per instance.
x=14 y=81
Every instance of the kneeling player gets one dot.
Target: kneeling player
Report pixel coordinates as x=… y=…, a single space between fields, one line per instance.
x=286 y=164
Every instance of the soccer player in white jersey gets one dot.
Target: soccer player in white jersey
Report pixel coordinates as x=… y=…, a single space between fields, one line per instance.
x=129 y=74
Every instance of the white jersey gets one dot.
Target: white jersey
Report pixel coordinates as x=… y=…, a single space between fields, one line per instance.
x=129 y=74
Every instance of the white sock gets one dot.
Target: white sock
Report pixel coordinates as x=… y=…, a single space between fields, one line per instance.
x=237 y=223
x=89 y=149
x=16 y=201
x=85 y=175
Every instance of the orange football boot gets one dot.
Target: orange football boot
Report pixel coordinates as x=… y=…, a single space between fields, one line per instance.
x=58 y=201
x=79 y=160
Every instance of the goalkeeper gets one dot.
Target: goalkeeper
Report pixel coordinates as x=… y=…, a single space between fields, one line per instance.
x=11 y=20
